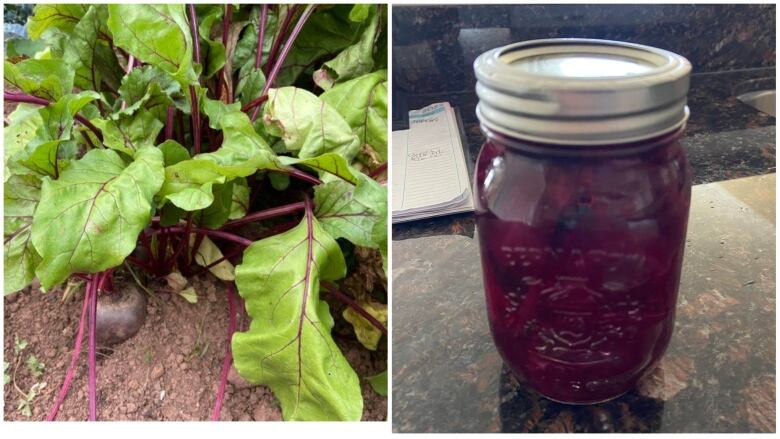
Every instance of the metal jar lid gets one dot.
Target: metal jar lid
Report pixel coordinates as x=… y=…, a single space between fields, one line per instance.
x=571 y=91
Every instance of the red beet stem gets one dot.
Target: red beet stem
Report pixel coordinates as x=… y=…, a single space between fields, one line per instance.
x=73 y=359
x=228 y=352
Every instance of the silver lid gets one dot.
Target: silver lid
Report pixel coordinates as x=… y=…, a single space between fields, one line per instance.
x=571 y=91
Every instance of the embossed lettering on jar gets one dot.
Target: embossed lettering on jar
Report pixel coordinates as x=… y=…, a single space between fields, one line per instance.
x=582 y=194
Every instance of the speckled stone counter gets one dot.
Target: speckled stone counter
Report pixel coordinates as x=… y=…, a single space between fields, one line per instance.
x=718 y=374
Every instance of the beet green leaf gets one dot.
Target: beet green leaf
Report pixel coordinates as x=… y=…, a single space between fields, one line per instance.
x=63 y=17
x=357 y=59
x=22 y=193
x=350 y=212
x=153 y=89
x=25 y=121
x=88 y=219
x=288 y=346
x=128 y=133
x=156 y=34
x=308 y=125
x=84 y=48
x=47 y=153
x=46 y=78
x=363 y=104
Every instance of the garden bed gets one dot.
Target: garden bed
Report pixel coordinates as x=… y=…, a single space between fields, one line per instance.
x=178 y=351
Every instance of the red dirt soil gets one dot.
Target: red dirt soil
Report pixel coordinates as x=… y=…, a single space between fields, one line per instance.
x=168 y=371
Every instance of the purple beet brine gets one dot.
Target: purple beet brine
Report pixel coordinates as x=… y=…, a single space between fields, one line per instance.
x=582 y=194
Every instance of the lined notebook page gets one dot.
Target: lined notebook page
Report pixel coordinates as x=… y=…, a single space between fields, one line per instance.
x=428 y=172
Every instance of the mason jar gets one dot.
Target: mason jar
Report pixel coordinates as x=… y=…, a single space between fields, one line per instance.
x=582 y=195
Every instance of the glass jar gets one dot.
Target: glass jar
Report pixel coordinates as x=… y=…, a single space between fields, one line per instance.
x=582 y=194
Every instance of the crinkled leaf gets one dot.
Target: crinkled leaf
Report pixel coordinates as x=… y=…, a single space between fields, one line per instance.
x=47 y=16
x=48 y=152
x=83 y=45
x=130 y=132
x=239 y=199
x=347 y=211
x=173 y=152
x=25 y=122
x=288 y=346
x=250 y=84
x=243 y=151
x=22 y=193
x=213 y=52
x=360 y=12
x=280 y=182
x=188 y=184
x=43 y=157
x=250 y=80
x=363 y=104
x=153 y=89
x=46 y=78
x=378 y=382
x=329 y=163
x=23 y=47
x=367 y=334
x=88 y=220
x=214 y=216
x=155 y=34
x=355 y=60
x=56 y=41
x=170 y=214
x=215 y=110
x=308 y=125
x=58 y=116
x=207 y=254
x=326 y=33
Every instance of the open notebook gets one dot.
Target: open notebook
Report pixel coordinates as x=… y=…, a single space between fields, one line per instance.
x=429 y=173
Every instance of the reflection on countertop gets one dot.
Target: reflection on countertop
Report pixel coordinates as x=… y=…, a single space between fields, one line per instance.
x=434 y=46
x=718 y=374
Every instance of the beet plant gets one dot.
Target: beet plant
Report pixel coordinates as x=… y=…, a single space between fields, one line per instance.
x=189 y=138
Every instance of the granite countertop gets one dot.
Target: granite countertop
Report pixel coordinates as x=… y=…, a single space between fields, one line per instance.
x=724 y=139
x=718 y=374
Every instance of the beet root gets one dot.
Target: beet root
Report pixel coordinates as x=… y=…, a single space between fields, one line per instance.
x=120 y=314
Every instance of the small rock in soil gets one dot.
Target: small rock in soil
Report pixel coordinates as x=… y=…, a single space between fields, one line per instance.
x=211 y=293
x=131 y=408
x=245 y=418
x=157 y=371
x=237 y=381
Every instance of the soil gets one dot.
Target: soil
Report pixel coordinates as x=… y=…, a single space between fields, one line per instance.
x=168 y=371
